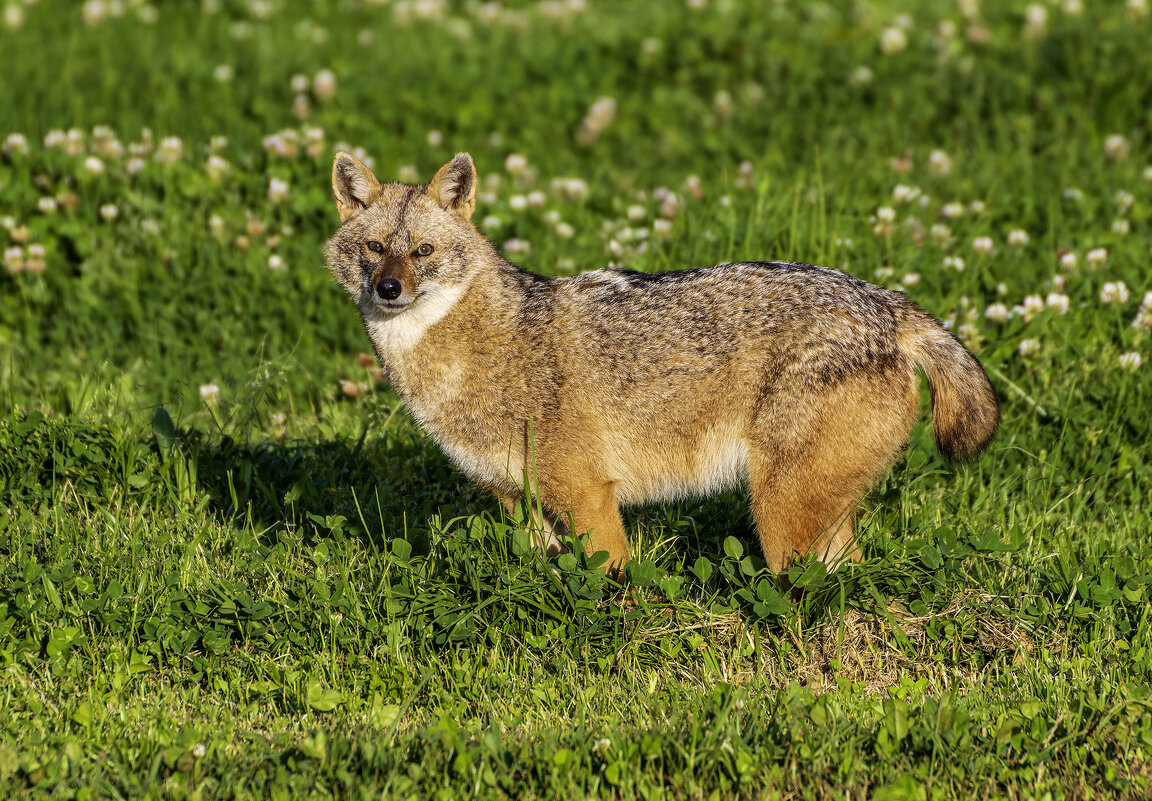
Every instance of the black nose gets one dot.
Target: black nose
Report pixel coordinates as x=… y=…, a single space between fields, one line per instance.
x=389 y=289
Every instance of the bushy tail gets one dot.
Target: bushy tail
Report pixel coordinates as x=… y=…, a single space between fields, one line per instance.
x=965 y=410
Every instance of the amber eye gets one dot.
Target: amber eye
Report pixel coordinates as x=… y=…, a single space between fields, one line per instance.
x=424 y=250
x=375 y=246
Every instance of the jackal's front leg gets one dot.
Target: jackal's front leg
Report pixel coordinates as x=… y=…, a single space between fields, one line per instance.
x=596 y=518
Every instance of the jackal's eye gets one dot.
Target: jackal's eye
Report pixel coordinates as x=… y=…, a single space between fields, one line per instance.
x=424 y=250
x=374 y=246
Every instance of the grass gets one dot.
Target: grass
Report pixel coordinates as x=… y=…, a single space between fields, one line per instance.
x=281 y=588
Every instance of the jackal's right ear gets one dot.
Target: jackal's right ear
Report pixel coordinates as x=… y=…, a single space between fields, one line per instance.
x=353 y=184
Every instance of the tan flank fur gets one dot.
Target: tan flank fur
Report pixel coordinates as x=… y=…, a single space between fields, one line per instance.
x=614 y=387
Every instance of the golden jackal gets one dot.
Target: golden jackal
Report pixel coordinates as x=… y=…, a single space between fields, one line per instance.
x=582 y=393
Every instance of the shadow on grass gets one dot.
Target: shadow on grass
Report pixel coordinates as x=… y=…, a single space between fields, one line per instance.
x=382 y=488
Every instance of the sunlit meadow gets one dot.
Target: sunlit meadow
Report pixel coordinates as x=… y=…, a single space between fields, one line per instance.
x=232 y=567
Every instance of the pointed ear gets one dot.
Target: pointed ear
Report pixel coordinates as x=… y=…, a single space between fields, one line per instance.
x=353 y=184
x=454 y=186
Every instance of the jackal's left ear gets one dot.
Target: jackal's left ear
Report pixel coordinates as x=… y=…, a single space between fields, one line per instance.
x=353 y=184
x=454 y=186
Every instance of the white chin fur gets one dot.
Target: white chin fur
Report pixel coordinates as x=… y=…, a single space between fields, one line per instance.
x=395 y=332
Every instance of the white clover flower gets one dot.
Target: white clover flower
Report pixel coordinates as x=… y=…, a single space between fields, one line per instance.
x=1130 y=361
x=722 y=103
x=902 y=193
x=1018 y=237
x=1035 y=20
x=278 y=419
x=637 y=213
x=1137 y=10
x=435 y=138
x=13 y=17
x=661 y=227
x=1117 y=147
x=939 y=163
x=997 y=313
x=983 y=244
x=893 y=40
x=518 y=246
x=941 y=233
x=536 y=199
x=301 y=107
x=150 y=226
x=278 y=190
x=954 y=263
x=1074 y=193
x=47 y=205
x=1114 y=292
x=1028 y=347
x=1057 y=301
x=15 y=143
x=1097 y=257
x=199 y=750
x=1123 y=199
x=951 y=211
x=224 y=73
x=1073 y=8
x=109 y=212
x=324 y=85
x=35 y=262
x=600 y=115
x=518 y=203
x=298 y=83
x=565 y=230
x=275 y=262
x=353 y=388
x=570 y=188
x=1068 y=260
x=491 y=221
x=1031 y=306
x=209 y=393
x=170 y=149
x=216 y=166
x=976 y=207
x=885 y=214
x=14 y=259
x=744 y=177
x=515 y=163
x=910 y=279
x=884 y=273
x=861 y=76
x=1120 y=226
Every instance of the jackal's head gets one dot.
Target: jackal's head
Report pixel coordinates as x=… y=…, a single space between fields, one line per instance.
x=400 y=245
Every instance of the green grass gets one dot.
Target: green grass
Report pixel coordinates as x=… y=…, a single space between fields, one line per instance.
x=287 y=591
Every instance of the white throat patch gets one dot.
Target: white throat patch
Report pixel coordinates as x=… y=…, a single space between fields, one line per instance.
x=394 y=336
